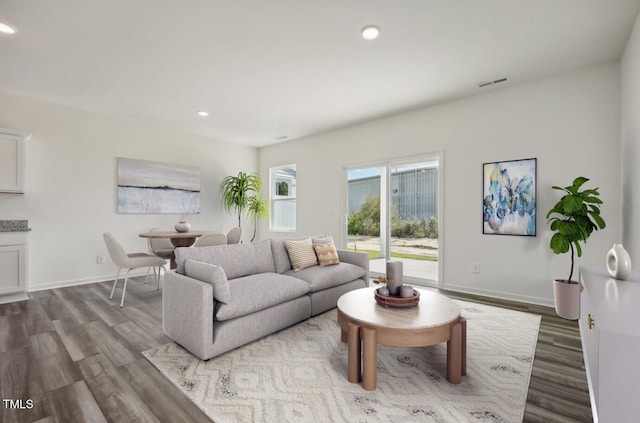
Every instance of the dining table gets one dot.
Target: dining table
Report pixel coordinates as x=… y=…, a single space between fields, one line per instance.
x=178 y=239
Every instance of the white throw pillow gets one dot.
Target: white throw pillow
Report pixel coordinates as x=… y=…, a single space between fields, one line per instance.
x=301 y=254
x=322 y=239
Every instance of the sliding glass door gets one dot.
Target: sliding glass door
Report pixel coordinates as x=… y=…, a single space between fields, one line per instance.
x=393 y=211
x=366 y=218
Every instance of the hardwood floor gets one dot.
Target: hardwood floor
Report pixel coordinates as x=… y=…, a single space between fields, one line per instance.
x=77 y=356
x=558 y=391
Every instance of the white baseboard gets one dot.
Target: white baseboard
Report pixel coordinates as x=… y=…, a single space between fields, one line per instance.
x=84 y=281
x=11 y=298
x=451 y=287
x=500 y=294
x=484 y=292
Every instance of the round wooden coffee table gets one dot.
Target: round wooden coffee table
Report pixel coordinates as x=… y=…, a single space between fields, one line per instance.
x=364 y=324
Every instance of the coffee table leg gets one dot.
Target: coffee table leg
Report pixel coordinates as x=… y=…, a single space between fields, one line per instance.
x=463 y=323
x=353 y=357
x=370 y=359
x=454 y=354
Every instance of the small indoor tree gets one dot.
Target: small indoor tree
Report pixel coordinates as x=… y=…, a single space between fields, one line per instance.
x=258 y=208
x=241 y=194
x=573 y=219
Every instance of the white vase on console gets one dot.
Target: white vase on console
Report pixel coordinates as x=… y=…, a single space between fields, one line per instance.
x=618 y=262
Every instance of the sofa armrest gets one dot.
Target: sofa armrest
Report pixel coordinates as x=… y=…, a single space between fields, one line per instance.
x=187 y=312
x=357 y=258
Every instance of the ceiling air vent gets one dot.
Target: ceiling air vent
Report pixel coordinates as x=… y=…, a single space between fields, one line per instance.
x=494 y=82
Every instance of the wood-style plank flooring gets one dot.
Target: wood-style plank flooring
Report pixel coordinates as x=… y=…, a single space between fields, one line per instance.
x=558 y=390
x=77 y=356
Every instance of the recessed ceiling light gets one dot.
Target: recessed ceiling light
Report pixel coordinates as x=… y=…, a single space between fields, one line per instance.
x=370 y=32
x=7 y=29
x=202 y=113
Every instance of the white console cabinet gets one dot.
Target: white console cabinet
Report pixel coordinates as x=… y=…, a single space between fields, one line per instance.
x=610 y=332
x=13 y=263
x=12 y=146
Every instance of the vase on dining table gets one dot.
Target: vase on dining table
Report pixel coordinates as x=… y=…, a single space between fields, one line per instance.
x=183 y=227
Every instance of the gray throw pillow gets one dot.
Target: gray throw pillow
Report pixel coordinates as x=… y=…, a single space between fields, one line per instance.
x=212 y=274
x=321 y=239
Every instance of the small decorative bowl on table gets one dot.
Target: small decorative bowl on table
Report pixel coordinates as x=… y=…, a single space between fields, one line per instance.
x=393 y=301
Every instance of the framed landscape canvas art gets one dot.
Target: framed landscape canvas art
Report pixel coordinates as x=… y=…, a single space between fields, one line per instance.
x=509 y=197
x=152 y=187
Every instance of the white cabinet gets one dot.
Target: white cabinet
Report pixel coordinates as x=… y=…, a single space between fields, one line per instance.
x=13 y=262
x=610 y=333
x=12 y=145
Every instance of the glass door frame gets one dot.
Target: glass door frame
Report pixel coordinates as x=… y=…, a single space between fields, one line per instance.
x=385 y=167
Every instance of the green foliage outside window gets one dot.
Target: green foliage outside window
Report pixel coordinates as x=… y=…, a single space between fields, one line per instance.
x=366 y=221
x=282 y=188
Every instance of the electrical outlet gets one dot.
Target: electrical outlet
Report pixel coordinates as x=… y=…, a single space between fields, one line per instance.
x=100 y=259
x=475 y=267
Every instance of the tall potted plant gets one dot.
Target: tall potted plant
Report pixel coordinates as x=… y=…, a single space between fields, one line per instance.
x=573 y=218
x=241 y=194
x=258 y=208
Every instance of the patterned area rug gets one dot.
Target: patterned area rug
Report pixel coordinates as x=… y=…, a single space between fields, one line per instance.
x=300 y=375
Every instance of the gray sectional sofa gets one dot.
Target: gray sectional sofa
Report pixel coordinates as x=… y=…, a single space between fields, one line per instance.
x=225 y=296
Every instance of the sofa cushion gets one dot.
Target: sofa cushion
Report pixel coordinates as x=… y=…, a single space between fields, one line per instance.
x=301 y=254
x=236 y=260
x=281 y=260
x=257 y=292
x=326 y=277
x=212 y=274
x=326 y=253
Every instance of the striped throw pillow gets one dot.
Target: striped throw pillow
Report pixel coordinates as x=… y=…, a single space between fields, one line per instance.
x=301 y=254
x=327 y=254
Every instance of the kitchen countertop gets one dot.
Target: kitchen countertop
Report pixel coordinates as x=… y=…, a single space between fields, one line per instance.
x=14 y=226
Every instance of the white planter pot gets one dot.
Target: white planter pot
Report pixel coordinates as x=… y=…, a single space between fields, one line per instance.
x=567 y=299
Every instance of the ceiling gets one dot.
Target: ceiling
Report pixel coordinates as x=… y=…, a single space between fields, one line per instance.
x=291 y=68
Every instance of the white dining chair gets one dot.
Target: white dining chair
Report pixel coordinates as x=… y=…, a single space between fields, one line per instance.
x=130 y=261
x=211 y=238
x=161 y=247
x=234 y=235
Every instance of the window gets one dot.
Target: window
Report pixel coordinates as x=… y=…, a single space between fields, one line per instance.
x=282 y=192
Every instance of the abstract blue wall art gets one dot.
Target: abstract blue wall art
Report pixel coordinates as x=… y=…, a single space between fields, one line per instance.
x=152 y=187
x=509 y=197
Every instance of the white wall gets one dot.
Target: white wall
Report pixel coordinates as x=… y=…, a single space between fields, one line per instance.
x=570 y=122
x=70 y=196
x=630 y=133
